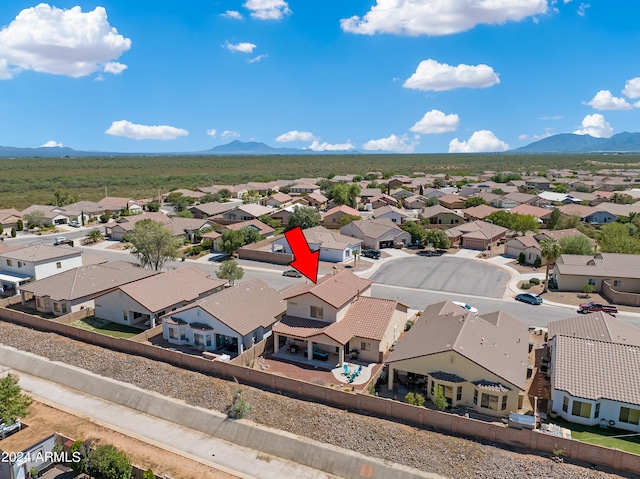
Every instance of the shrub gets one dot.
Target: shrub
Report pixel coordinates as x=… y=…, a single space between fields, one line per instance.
x=521 y=258
x=535 y=281
x=20 y=225
x=240 y=407
x=13 y=232
x=148 y=474
x=588 y=289
x=538 y=262
x=196 y=250
x=525 y=286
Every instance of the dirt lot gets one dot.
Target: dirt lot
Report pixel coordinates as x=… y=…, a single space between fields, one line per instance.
x=162 y=462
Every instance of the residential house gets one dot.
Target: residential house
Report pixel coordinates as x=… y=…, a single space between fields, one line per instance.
x=331 y=218
x=400 y=180
x=383 y=200
x=285 y=213
x=376 y=234
x=549 y=198
x=277 y=200
x=588 y=214
x=141 y=303
x=396 y=215
x=594 y=364
x=527 y=245
x=452 y=201
x=246 y=212
x=541 y=214
x=34 y=263
x=317 y=200
x=113 y=204
x=537 y=183
x=414 y=202
x=479 y=212
x=476 y=235
x=619 y=210
x=591 y=199
x=558 y=234
x=189 y=228
x=400 y=193
x=77 y=288
x=9 y=219
x=367 y=193
x=125 y=225
x=52 y=215
x=300 y=188
x=228 y=322
x=28 y=448
x=263 y=230
x=431 y=192
x=439 y=215
x=338 y=316
x=334 y=247
x=477 y=361
x=207 y=210
x=521 y=198
x=84 y=211
x=188 y=193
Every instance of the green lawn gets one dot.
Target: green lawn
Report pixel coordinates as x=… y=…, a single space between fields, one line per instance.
x=106 y=327
x=602 y=436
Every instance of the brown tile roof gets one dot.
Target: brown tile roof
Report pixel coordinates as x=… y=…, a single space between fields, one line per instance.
x=376 y=228
x=257 y=224
x=593 y=370
x=599 y=325
x=117 y=202
x=336 y=290
x=480 y=211
x=307 y=328
x=161 y=291
x=435 y=210
x=497 y=342
x=526 y=241
x=127 y=223
x=320 y=235
x=369 y=318
x=42 y=252
x=519 y=197
x=531 y=210
x=558 y=234
x=214 y=208
x=608 y=265
x=342 y=209
x=389 y=209
x=476 y=229
x=87 y=281
x=281 y=197
x=243 y=307
x=317 y=196
x=577 y=210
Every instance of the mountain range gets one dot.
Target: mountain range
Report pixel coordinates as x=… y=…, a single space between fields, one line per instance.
x=563 y=143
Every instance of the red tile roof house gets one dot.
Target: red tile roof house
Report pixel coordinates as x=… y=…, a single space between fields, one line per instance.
x=479 y=212
x=141 y=303
x=228 y=322
x=336 y=317
x=479 y=361
x=595 y=360
x=76 y=289
x=331 y=218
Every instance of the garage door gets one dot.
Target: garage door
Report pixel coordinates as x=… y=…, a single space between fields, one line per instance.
x=511 y=251
x=386 y=244
x=473 y=243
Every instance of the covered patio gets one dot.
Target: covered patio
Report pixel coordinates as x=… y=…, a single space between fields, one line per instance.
x=10 y=282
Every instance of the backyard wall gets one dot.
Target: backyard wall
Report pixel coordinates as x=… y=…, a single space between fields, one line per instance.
x=253 y=252
x=439 y=421
x=619 y=297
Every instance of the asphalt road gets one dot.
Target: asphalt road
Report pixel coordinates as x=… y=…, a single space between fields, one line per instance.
x=444 y=273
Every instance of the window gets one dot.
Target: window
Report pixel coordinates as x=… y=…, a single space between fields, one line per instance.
x=198 y=339
x=19 y=264
x=56 y=307
x=452 y=359
x=448 y=392
x=592 y=282
x=475 y=397
x=433 y=386
x=125 y=315
x=183 y=335
x=58 y=265
x=617 y=282
x=365 y=346
x=489 y=401
x=630 y=416
x=459 y=394
x=173 y=333
x=565 y=404
x=9 y=262
x=47 y=305
x=504 y=403
x=596 y=414
x=317 y=312
x=64 y=307
x=582 y=409
x=39 y=303
x=208 y=340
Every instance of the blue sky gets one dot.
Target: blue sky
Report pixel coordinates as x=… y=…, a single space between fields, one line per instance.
x=394 y=75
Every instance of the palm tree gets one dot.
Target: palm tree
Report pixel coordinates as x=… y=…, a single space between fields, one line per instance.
x=551 y=250
x=94 y=236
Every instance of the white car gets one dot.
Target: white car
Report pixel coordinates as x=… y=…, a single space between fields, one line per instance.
x=466 y=306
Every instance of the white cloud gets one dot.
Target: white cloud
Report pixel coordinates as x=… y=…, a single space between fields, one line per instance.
x=243 y=47
x=257 y=59
x=51 y=144
x=144 y=132
x=481 y=141
x=232 y=14
x=295 y=135
x=324 y=146
x=62 y=42
x=439 y=17
x=582 y=9
x=212 y=132
x=435 y=121
x=393 y=143
x=433 y=76
x=227 y=134
x=554 y=117
x=632 y=88
x=547 y=133
x=604 y=100
x=595 y=125
x=267 y=9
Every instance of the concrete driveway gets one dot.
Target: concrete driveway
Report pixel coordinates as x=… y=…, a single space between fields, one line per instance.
x=445 y=273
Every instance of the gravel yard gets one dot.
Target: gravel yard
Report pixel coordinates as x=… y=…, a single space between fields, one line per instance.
x=429 y=451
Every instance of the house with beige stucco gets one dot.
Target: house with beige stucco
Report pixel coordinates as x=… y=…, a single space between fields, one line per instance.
x=477 y=361
x=620 y=271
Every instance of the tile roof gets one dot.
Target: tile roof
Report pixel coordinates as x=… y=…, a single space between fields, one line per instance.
x=244 y=307
x=577 y=210
x=161 y=291
x=87 y=281
x=281 y=197
x=253 y=209
x=128 y=223
x=336 y=290
x=526 y=241
x=375 y=228
x=594 y=370
x=598 y=325
x=531 y=210
x=519 y=197
x=497 y=342
x=608 y=265
x=42 y=252
x=435 y=210
x=257 y=224
x=480 y=211
x=118 y=202
x=448 y=377
x=369 y=317
x=476 y=229
x=558 y=234
x=342 y=209
x=320 y=235
x=388 y=209
x=214 y=208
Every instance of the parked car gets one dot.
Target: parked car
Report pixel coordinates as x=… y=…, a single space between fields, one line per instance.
x=74 y=224
x=371 y=253
x=60 y=240
x=426 y=252
x=466 y=306
x=530 y=298
x=592 y=307
x=293 y=273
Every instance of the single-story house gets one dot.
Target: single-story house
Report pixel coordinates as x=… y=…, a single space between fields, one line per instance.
x=206 y=210
x=246 y=212
x=476 y=235
x=317 y=200
x=376 y=234
x=333 y=246
x=383 y=200
x=588 y=214
x=331 y=218
x=477 y=361
x=9 y=219
x=263 y=230
x=542 y=214
x=521 y=198
x=620 y=271
x=524 y=244
x=452 y=201
x=300 y=188
x=439 y=215
x=414 y=202
x=114 y=204
x=142 y=302
x=277 y=200
x=52 y=215
x=367 y=193
x=229 y=322
x=396 y=215
x=125 y=225
x=479 y=212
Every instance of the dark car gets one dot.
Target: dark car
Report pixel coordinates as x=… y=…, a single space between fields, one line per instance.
x=530 y=298
x=371 y=253
x=428 y=252
x=294 y=273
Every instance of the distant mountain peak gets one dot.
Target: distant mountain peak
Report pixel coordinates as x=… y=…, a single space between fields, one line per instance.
x=624 y=142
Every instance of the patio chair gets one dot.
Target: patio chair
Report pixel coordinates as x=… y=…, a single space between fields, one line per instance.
x=359 y=370
x=346 y=370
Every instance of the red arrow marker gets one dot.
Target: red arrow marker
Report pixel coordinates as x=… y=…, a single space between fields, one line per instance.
x=305 y=261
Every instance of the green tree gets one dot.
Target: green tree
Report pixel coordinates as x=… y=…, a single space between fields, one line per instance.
x=561 y=188
x=498 y=191
x=272 y=222
x=250 y=234
x=154 y=244
x=615 y=238
x=108 y=462
x=524 y=223
x=502 y=218
x=438 y=238
x=346 y=219
x=20 y=225
x=104 y=218
x=354 y=192
x=179 y=201
x=154 y=206
x=568 y=222
x=184 y=214
x=62 y=197
x=432 y=201
x=576 y=245
x=34 y=219
x=504 y=178
x=305 y=217
x=522 y=259
x=439 y=400
x=554 y=219
x=94 y=236
x=587 y=289
x=551 y=250
x=475 y=201
x=79 y=447
x=416 y=231
x=14 y=403
x=13 y=232
x=148 y=474
x=250 y=196
x=231 y=241
x=339 y=193
x=240 y=406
